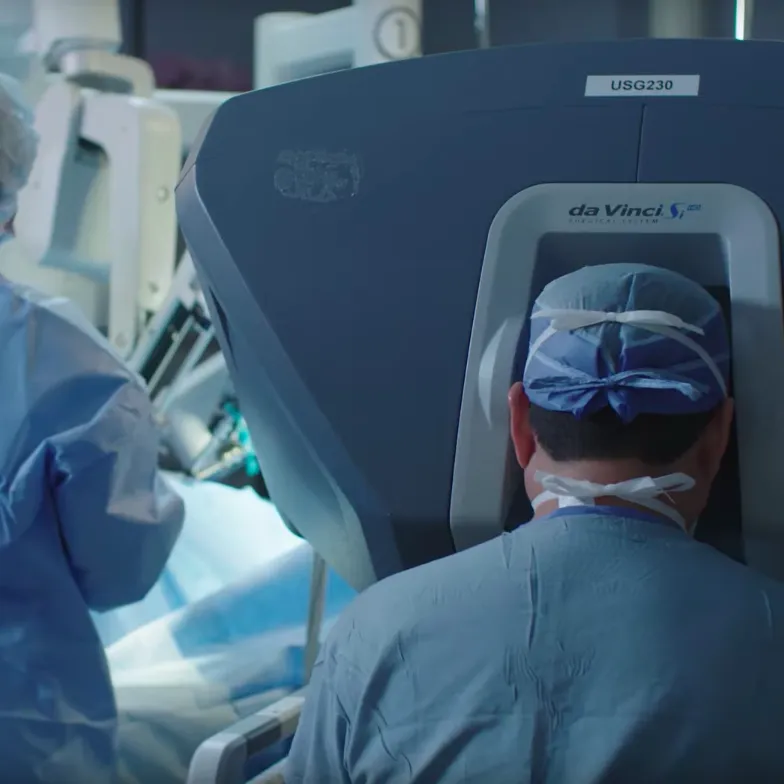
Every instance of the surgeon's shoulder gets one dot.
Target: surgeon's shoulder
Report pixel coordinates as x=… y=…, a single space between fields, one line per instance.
x=388 y=599
x=743 y=595
x=397 y=608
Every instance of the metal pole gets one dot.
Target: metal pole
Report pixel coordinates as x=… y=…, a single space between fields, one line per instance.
x=482 y=23
x=318 y=590
x=744 y=18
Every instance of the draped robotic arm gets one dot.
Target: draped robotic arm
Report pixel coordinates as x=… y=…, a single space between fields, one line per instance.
x=179 y=358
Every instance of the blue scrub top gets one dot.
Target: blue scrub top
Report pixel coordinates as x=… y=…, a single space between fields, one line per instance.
x=595 y=645
x=86 y=522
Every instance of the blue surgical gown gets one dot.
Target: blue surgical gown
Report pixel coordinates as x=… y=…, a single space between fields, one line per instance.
x=85 y=523
x=581 y=648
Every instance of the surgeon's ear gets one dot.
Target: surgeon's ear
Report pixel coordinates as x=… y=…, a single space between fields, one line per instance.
x=714 y=441
x=520 y=425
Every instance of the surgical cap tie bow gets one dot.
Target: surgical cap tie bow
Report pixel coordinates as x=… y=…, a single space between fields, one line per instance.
x=636 y=379
x=577 y=382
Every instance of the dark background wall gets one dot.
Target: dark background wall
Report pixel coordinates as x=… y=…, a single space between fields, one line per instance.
x=565 y=20
x=519 y=21
x=208 y=44
x=768 y=20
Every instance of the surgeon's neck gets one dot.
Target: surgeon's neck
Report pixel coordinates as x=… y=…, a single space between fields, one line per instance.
x=603 y=472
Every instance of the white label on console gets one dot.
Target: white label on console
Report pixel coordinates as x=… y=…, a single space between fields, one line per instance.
x=646 y=84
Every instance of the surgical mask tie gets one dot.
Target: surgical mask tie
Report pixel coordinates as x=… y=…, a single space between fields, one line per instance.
x=643 y=491
x=657 y=321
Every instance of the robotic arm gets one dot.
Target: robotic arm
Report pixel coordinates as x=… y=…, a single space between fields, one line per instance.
x=179 y=359
x=100 y=199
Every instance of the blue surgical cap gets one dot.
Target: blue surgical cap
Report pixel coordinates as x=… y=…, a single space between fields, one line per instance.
x=635 y=338
x=18 y=145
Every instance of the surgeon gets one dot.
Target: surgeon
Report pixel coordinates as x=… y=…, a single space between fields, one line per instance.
x=600 y=642
x=86 y=521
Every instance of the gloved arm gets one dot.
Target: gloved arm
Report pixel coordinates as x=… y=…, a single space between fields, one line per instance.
x=118 y=518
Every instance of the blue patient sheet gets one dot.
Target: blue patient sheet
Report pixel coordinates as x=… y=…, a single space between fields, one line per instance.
x=228 y=534
x=222 y=635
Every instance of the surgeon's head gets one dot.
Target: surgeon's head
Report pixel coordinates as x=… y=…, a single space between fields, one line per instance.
x=625 y=385
x=18 y=148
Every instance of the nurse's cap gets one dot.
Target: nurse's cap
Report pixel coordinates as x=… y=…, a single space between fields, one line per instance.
x=18 y=145
x=635 y=338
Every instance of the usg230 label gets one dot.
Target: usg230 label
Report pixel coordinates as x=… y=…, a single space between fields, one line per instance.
x=608 y=86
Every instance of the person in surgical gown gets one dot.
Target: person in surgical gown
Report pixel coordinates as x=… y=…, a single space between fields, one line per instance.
x=85 y=519
x=600 y=642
